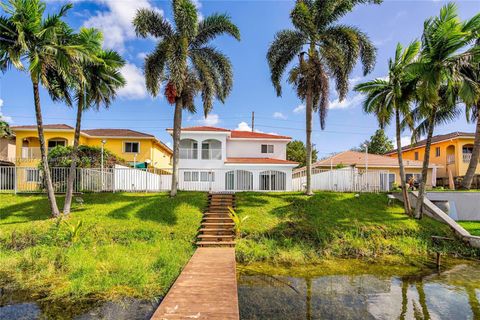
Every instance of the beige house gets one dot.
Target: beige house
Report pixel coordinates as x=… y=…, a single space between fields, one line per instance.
x=7 y=151
x=361 y=161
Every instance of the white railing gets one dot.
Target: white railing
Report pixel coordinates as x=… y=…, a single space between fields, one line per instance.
x=204 y=154
x=31 y=153
x=450 y=159
x=212 y=154
x=344 y=180
x=467 y=157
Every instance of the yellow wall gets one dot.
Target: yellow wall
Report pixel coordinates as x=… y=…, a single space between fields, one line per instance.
x=454 y=146
x=149 y=148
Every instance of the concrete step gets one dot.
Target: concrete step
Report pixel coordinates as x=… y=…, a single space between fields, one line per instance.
x=216 y=230
x=218 y=224
x=213 y=219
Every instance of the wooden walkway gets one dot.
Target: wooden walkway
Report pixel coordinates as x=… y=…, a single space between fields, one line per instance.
x=206 y=288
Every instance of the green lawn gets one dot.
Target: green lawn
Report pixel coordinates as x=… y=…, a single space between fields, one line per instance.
x=471 y=226
x=293 y=229
x=128 y=244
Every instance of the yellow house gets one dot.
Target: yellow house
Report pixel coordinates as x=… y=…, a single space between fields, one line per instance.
x=452 y=152
x=137 y=148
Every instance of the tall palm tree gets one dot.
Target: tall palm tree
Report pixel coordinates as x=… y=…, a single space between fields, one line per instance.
x=473 y=114
x=392 y=97
x=185 y=63
x=97 y=86
x=43 y=44
x=325 y=49
x=440 y=82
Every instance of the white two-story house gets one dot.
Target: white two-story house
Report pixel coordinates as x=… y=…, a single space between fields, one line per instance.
x=229 y=160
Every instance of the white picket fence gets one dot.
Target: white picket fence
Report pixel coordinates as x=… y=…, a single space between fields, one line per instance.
x=25 y=180
x=344 y=180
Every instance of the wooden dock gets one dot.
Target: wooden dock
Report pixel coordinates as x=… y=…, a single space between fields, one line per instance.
x=206 y=288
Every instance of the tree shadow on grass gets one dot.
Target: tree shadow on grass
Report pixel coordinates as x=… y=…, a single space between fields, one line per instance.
x=30 y=208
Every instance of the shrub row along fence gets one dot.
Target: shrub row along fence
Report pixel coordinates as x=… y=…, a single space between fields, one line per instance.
x=30 y=180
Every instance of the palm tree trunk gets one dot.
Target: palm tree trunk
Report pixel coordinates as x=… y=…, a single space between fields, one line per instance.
x=426 y=162
x=43 y=151
x=73 y=166
x=403 y=182
x=309 y=111
x=472 y=166
x=177 y=127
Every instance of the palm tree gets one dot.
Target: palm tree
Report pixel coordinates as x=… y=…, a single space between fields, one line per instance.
x=473 y=114
x=331 y=50
x=97 y=85
x=440 y=82
x=392 y=97
x=26 y=37
x=185 y=63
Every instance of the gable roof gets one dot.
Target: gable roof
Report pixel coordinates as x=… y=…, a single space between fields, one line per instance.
x=436 y=139
x=116 y=133
x=59 y=126
x=235 y=134
x=354 y=158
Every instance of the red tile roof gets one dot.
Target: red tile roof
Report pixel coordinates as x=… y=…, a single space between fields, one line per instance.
x=256 y=135
x=353 y=158
x=116 y=133
x=59 y=126
x=259 y=161
x=435 y=139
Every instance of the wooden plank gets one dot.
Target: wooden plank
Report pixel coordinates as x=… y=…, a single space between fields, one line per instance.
x=206 y=288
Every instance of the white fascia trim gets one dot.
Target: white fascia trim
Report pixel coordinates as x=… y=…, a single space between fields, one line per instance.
x=261 y=165
x=264 y=139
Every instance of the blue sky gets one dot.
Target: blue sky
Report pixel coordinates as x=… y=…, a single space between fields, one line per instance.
x=347 y=125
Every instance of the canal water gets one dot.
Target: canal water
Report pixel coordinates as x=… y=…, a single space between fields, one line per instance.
x=453 y=293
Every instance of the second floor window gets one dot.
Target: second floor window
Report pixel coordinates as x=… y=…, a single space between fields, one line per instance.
x=416 y=155
x=437 y=152
x=132 y=147
x=267 y=148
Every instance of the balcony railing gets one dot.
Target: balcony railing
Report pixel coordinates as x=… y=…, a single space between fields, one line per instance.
x=205 y=154
x=450 y=159
x=467 y=157
x=31 y=153
x=212 y=154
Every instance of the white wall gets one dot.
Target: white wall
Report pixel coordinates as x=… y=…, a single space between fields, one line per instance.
x=199 y=137
x=252 y=149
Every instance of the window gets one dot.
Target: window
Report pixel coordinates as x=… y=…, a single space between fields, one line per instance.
x=207 y=176
x=416 y=155
x=189 y=176
x=132 y=147
x=267 y=148
x=54 y=143
x=205 y=151
x=437 y=152
x=33 y=175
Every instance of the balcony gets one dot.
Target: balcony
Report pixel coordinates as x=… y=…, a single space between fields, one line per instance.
x=205 y=154
x=30 y=153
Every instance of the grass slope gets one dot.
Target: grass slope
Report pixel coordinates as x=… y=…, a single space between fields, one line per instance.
x=471 y=226
x=293 y=229
x=128 y=244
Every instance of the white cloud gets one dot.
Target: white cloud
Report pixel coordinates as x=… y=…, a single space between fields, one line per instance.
x=279 y=115
x=2 y=116
x=142 y=55
x=405 y=141
x=135 y=87
x=243 y=126
x=210 y=120
x=198 y=4
x=348 y=102
x=299 y=109
x=116 y=22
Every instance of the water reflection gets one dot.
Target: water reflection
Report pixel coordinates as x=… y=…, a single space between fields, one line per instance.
x=453 y=294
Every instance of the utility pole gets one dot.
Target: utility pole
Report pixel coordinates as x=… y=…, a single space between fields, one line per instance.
x=253 y=120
